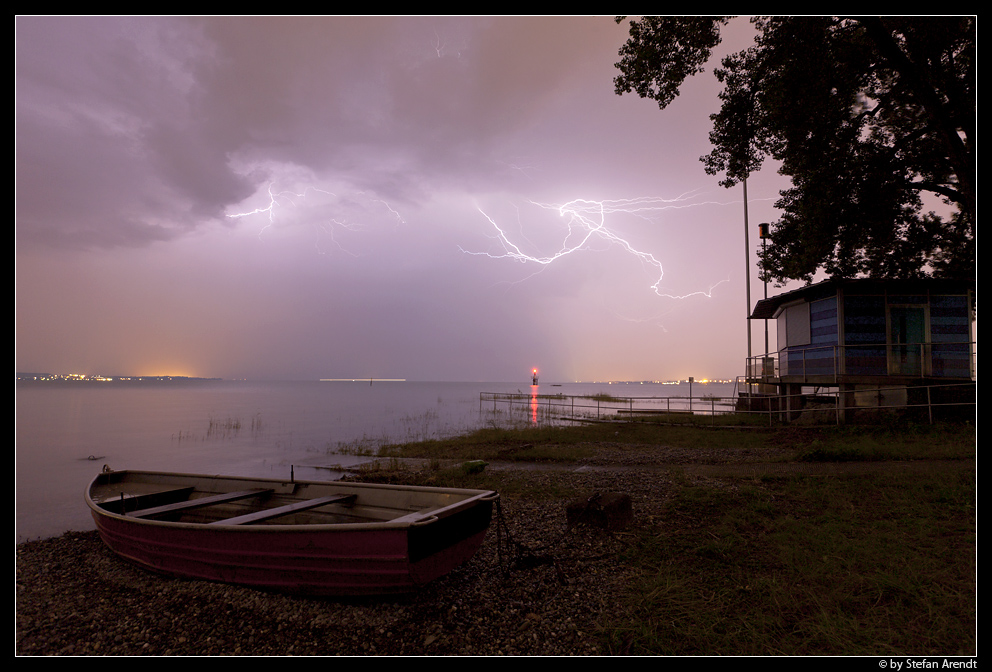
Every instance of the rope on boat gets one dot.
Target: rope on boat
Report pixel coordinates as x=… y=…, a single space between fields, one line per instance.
x=517 y=554
x=523 y=557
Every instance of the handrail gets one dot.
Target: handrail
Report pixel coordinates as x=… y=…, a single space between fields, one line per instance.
x=555 y=408
x=924 y=360
x=562 y=406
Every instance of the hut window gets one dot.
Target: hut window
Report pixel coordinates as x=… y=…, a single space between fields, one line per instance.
x=793 y=325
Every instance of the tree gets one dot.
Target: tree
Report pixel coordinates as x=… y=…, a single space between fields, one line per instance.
x=873 y=120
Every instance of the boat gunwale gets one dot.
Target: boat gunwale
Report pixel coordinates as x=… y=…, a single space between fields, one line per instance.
x=402 y=522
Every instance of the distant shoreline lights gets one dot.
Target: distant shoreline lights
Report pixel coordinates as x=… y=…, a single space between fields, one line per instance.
x=362 y=380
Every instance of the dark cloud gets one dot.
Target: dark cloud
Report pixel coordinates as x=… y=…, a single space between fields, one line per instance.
x=270 y=196
x=111 y=150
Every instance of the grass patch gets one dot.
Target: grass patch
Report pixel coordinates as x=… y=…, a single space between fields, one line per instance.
x=569 y=444
x=879 y=563
x=510 y=484
x=528 y=444
x=887 y=442
x=700 y=420
x=604 y=397
x=862 y=565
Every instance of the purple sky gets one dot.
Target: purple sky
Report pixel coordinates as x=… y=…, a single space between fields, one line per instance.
x=309 y=198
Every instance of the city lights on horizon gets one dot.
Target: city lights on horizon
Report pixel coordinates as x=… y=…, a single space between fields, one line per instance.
x=82 y=377
x=89 y=378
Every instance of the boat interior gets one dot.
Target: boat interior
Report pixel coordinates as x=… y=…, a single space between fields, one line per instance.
x=220 y=501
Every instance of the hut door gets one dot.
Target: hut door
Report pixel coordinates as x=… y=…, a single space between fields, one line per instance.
x=907 y=338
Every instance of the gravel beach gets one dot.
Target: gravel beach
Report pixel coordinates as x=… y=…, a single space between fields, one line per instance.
x=536 y=587
x=75 y=597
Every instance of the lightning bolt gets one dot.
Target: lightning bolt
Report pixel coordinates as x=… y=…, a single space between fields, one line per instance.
x=394 y=213
x=275 y=202
x=586 y=221
x=325 y=226
x=329 y=232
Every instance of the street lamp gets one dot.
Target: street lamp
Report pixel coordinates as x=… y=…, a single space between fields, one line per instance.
x=763 y=234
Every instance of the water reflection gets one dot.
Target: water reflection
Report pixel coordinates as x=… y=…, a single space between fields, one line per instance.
x=533 y=403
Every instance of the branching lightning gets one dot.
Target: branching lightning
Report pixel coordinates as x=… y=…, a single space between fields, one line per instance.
x=394 y=213
x=586 y=221
x=329 y=232
x=274 y=202
x=325 y=226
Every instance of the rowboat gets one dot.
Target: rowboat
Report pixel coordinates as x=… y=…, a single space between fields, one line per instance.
x=314 y=538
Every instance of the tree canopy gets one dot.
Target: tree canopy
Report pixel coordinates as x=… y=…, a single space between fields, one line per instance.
x=872 y=118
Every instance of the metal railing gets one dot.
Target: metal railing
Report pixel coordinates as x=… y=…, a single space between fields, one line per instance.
x=865 y=403
x=821 y=406
x=561 y=407
x=950 y=360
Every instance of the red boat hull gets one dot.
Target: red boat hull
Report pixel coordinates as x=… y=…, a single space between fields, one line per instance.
x=294 y=561
x=323 y=560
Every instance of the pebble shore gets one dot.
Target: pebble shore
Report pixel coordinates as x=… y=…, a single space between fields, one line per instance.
x=75 y=597
x=547 y=596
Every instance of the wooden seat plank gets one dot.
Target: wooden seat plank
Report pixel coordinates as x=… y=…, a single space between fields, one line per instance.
x=143 y=500
x=190 y=504
x=276 y=512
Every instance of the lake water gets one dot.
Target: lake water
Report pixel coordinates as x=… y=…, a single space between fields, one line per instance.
x=66 y=432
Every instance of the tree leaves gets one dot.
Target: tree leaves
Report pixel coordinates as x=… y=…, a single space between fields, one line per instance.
x=662 y=51
x=869 y=117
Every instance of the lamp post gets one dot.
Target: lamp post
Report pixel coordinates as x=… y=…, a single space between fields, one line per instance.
x=763 y=234
x=747 y=276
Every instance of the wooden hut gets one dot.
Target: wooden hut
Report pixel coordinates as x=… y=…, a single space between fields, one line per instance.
x=872 y=340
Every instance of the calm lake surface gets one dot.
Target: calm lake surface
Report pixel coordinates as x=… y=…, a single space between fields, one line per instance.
x=66 y=432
